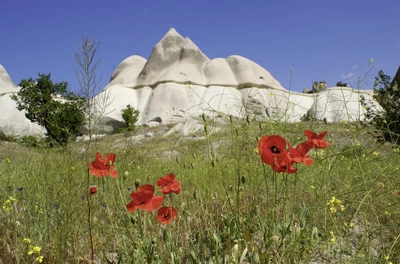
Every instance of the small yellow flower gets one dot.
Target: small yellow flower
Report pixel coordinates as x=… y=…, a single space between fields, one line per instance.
x=7 y=205
x=312 y=187
x=36 y=249
x=335 y=205
x=39 y=259
x=375 y=154
x=255 y=151
x=26 y=241
x=72 y=168
x=30 y=252
x=333 y=238
x=381 y=184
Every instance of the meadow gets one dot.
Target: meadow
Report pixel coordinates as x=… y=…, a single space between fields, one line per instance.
x=231 y=208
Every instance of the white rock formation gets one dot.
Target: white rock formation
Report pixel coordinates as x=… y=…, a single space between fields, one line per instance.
x=12 y=121
x=179 y=82
x=339 y=104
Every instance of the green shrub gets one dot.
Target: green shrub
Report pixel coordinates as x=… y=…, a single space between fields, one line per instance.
x=130 y=116
x=50 y=105
x=386 y=122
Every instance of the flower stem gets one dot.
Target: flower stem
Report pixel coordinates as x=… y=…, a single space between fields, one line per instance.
x=89 y=217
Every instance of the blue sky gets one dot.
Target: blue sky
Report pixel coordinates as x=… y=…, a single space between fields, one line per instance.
x=319 y=40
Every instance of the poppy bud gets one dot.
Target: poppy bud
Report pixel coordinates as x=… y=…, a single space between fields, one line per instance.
x=93 y=189
x=243 y=179
x=192 y=165
x=248 y=119
x=314 y=233
x=137 y=183
x=231 y=118
x=325 y=121
x=195 y=195
x=206 y=129
x=194 y=155
x=126 y=173
x=213 y=162
x=267 y=112
x=203 y=116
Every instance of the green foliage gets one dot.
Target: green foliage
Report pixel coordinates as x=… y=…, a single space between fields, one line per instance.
x=130 y=116
x=385 y=121
x=62 y=117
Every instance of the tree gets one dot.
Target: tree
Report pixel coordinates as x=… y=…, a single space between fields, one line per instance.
x=386 y=121
x=130 y=116
x=52 y=106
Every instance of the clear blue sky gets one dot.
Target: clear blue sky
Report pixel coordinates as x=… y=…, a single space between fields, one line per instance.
x=318 y=40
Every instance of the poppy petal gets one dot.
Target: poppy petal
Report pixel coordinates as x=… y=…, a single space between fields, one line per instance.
x=169 y=184
x=152 y=204
x=270 y=147
x=143 y=194
x=322 y=135
x=132 y=206
x=310 y=134
x=98 y=172
x=166 y=214
x=103 y=167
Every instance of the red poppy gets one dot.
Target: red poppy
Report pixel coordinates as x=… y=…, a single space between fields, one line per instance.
x=284 y=167
x=169 y=184
x=317 y=139
x=270 y=147
x=93 y=189
x=103 y=167
x=299 y=154
x=166 y=214
x=143 y=198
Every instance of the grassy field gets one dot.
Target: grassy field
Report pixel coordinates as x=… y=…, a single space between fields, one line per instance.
x=232 y=207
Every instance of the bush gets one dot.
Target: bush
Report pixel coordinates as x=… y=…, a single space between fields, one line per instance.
x=50 y=105
x=386 y=121
x=130 y=116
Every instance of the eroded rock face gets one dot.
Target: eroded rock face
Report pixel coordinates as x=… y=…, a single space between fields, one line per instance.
x=178 y=82
x=6 y=84
x=12 y=121
x=339 y=104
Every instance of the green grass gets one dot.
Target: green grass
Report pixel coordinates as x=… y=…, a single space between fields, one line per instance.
x=232 y=207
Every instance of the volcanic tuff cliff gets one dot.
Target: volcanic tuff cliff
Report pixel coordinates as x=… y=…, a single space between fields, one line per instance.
x=179 y=83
